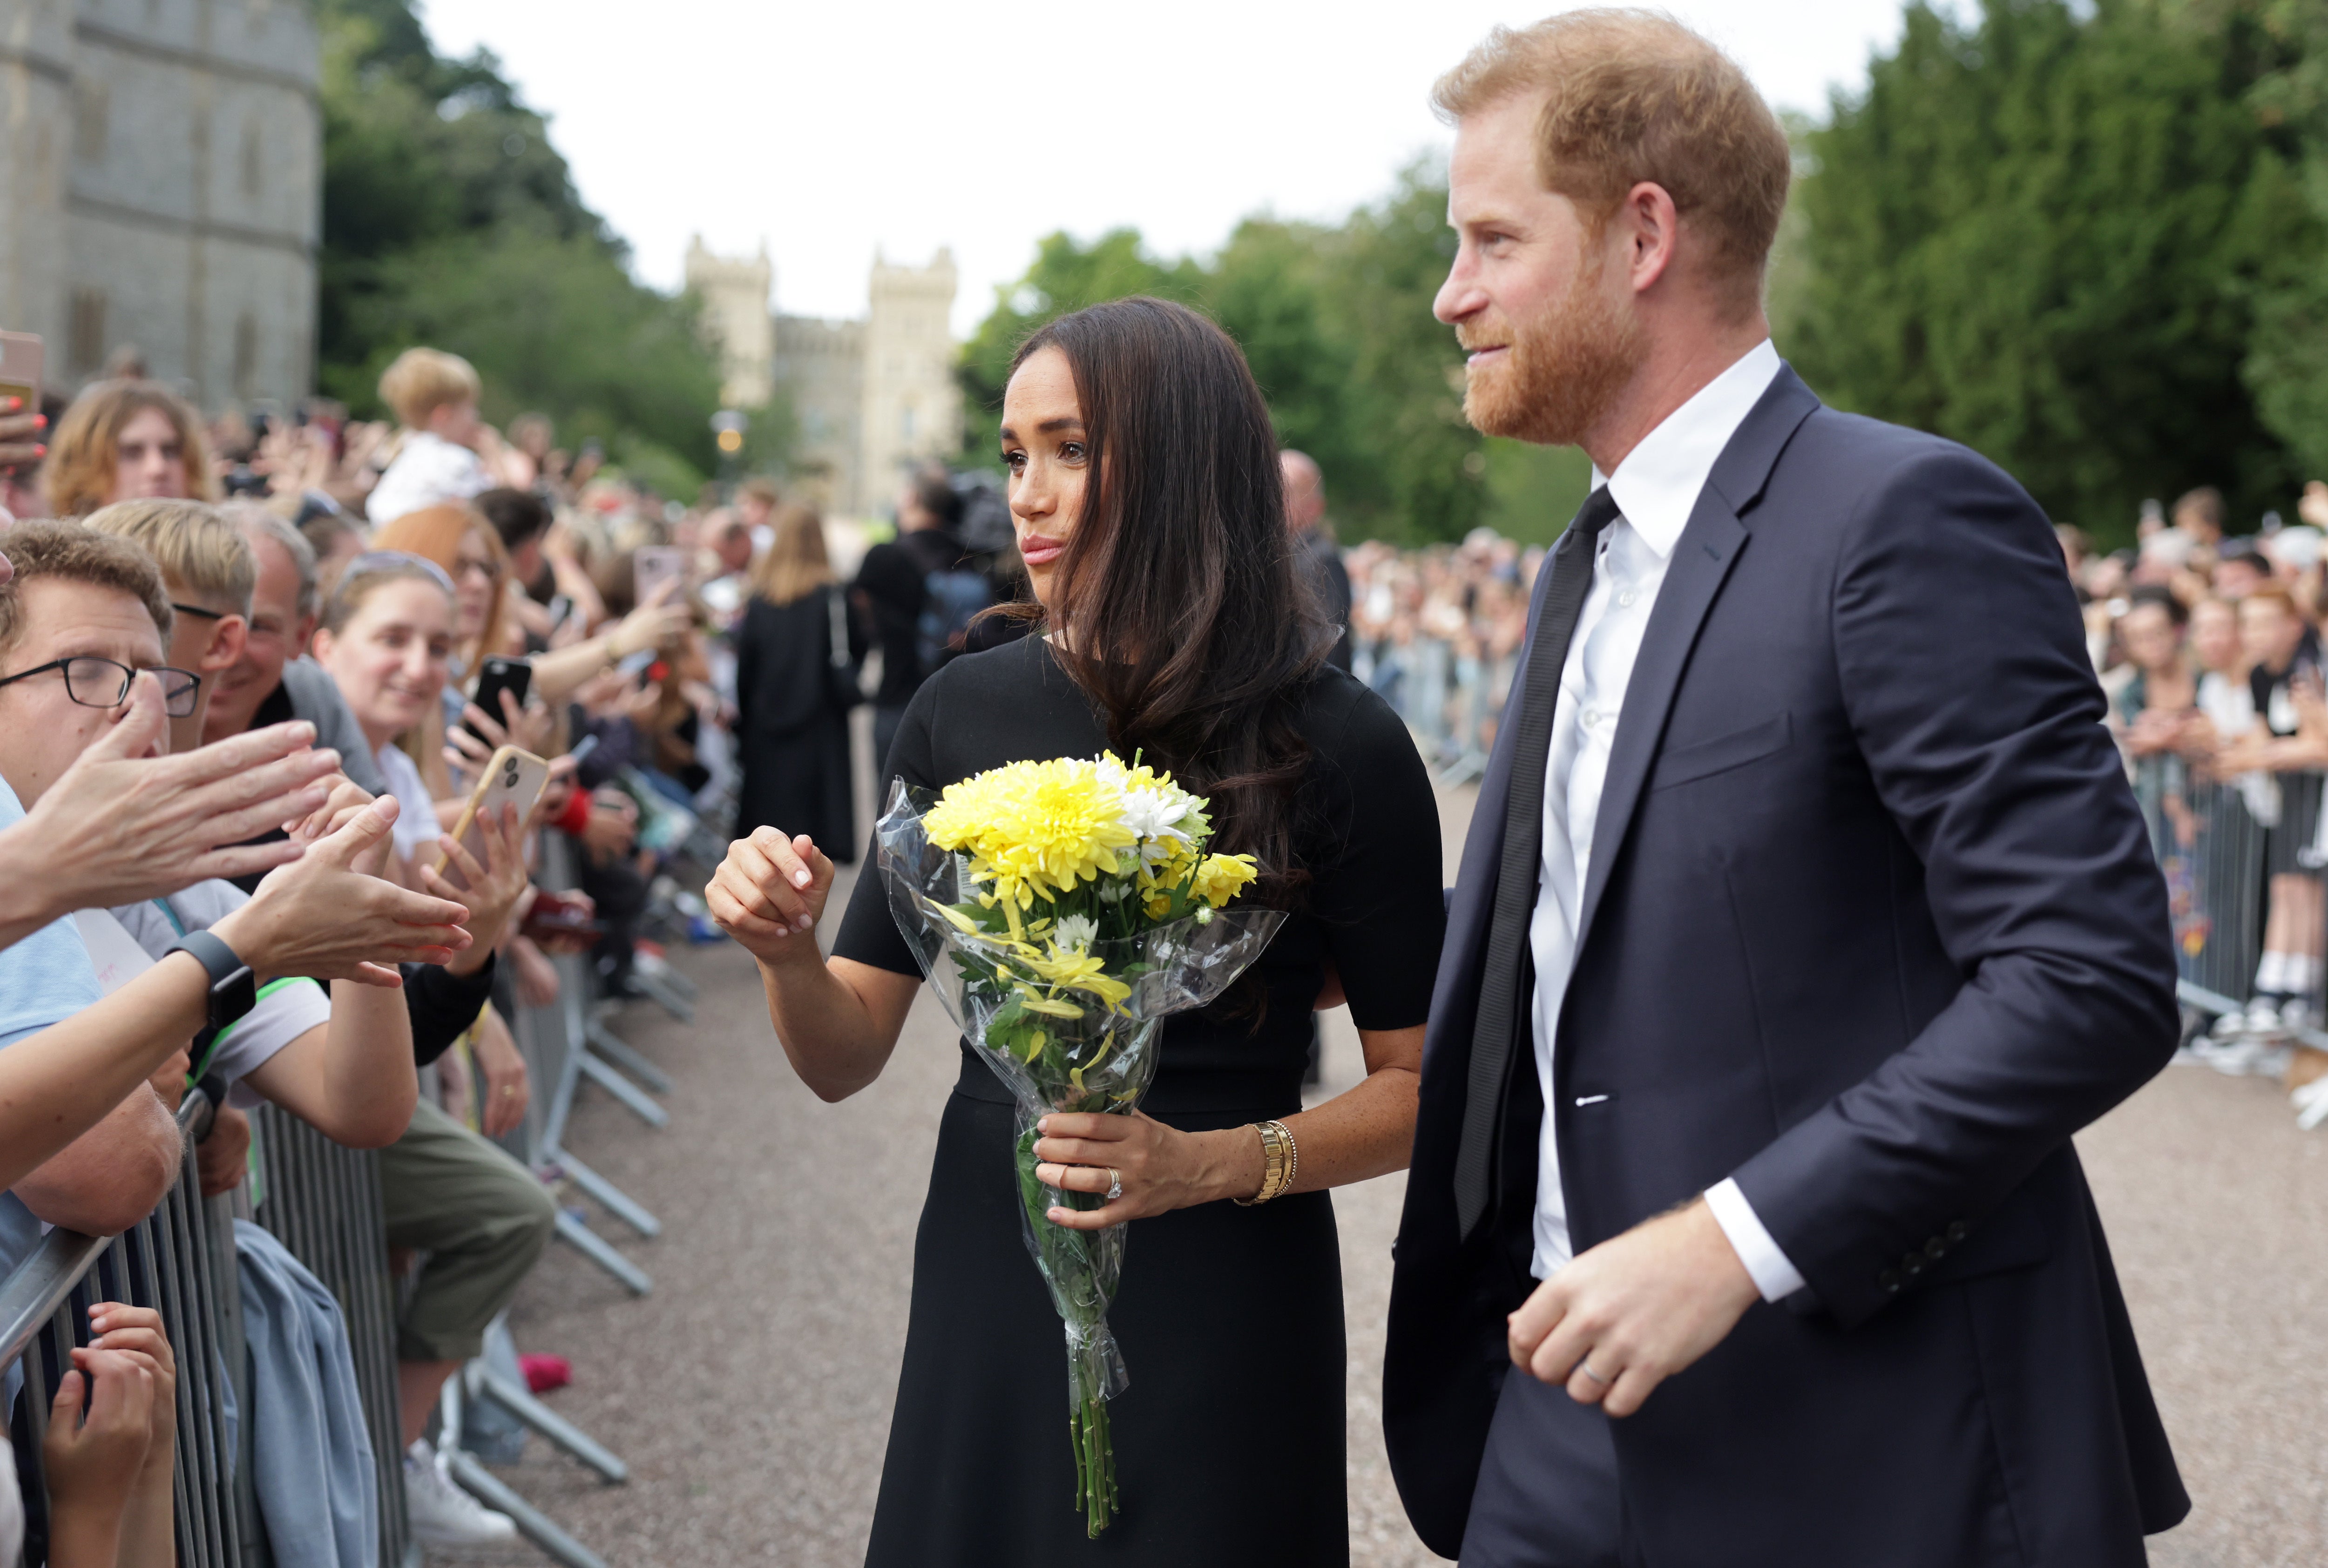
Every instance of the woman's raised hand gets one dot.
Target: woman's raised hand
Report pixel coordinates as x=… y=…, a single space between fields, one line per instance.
x=769 y=893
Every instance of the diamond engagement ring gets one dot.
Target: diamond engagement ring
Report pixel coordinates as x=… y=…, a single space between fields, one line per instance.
x=1114 y=1184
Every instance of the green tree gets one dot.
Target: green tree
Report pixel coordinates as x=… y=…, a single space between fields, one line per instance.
x=1337 y=325
x=2289 y=367
x=2045 y=236
x=1066 y=275
x=450 y=220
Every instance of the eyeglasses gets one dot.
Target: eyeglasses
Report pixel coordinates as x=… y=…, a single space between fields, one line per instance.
x=396 y=561
x=198 y=611
x=96 y=683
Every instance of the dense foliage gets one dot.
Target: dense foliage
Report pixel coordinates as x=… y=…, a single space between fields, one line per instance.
x=450 y=220
x=1336 y=323
x=2077 y=238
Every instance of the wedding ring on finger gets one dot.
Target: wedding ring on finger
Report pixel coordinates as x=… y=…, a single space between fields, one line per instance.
x=1114 y=1184
x=1585 y=1366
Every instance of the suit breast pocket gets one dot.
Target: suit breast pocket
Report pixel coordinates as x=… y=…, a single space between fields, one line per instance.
x=1702 y=758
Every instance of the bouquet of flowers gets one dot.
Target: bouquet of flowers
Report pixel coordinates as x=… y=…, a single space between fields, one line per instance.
x=1061 y=910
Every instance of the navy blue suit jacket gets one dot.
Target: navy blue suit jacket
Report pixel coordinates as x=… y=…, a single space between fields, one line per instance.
x=1872 y=924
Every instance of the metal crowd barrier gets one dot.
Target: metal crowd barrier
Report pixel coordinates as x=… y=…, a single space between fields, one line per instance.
x=2210 y=836
x=322 y=1201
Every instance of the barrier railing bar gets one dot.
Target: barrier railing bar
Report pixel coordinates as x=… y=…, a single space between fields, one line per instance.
x=612 y=1198
x=576 y=1234
x=520 y=1401
x=606 y=1043
x=636 y=1100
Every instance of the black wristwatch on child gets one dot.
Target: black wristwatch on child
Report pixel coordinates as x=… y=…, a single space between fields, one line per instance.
x=234 y=990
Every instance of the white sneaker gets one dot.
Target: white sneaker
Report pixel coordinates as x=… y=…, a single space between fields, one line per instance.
x=442 y=1514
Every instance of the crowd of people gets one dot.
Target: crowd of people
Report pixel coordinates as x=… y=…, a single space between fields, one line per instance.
x=2208 y=645
x=255 y=674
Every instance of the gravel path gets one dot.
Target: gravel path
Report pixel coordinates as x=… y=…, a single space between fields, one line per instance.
x=751 y=1392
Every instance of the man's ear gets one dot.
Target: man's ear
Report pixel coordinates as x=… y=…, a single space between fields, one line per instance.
x=303 y=632
x=227 y=638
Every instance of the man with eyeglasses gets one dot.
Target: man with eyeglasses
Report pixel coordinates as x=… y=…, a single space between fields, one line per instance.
x=82 y=629
x=273 y=680
x=206 y=570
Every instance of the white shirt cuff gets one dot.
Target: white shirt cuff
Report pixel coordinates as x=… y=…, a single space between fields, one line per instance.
x=1773 y=1275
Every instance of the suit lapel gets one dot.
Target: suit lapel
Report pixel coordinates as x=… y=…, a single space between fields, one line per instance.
x=1703 y=557
x=1708 y=548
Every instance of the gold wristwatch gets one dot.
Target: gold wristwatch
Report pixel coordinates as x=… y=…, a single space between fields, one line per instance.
x=1280 y=1160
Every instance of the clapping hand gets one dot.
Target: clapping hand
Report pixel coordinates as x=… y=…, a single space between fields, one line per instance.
x=122 y=823
x=325 y=918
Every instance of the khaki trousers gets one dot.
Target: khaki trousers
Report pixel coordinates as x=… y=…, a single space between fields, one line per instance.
x=480 y=1218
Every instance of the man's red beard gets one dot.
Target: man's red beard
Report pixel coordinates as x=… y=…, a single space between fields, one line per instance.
x=1561 y=372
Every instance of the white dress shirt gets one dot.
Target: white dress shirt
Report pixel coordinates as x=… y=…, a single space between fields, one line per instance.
x=1655 y=488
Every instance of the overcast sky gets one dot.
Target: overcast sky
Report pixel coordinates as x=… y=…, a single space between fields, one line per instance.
x=829 y=130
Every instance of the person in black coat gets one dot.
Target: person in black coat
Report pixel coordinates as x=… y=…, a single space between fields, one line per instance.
x=797 y=650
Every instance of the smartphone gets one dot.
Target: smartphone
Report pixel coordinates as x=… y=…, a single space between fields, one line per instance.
x=512 y=777
x=514 y=676
x=20 y=370
x=638 y=662
x=653 y=565
x=559 y=607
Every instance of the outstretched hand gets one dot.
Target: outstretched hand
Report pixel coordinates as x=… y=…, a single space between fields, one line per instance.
x=1624 y=1316
x=326 y=918
x=123 y=824
x=769 y=893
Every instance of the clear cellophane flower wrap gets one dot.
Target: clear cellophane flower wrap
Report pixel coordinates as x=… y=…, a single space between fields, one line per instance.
x=1062 y=984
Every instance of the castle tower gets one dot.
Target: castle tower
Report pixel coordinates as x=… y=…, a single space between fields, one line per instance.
x=735 y=292
x=913 y=406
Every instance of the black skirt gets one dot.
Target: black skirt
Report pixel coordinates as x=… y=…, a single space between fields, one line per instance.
x=1229 y=1442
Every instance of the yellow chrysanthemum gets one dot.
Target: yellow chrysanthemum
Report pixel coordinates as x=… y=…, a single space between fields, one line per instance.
x=1033 y=829
x=1222 y=877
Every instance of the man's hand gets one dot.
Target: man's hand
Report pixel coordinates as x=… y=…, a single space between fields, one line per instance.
x=223 y=1158
x=119 y=826
x=325 y=919
x=1634 y=1310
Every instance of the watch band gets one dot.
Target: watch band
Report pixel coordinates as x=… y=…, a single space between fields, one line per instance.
x=234 y=990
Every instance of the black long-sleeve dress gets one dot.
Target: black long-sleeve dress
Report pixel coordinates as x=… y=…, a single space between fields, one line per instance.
x=1229 y=1442
x=792 y=739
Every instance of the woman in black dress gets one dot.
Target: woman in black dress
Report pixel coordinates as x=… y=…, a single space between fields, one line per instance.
x=1144 y=487
x=794 y=694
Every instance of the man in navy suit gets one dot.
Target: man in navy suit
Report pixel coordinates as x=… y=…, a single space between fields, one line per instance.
x=1805 y=914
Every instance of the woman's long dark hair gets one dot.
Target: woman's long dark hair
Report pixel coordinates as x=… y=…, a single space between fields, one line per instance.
x=1176 y=605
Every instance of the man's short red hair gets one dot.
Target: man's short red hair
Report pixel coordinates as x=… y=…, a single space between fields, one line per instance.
x=1634 y=96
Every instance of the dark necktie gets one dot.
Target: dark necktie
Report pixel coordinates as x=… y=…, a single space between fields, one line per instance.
x=1501 y=1005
